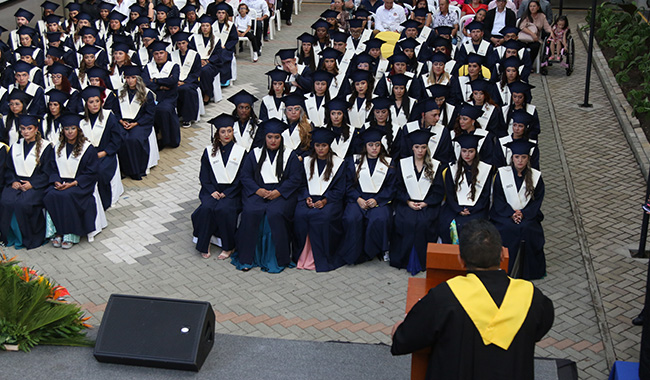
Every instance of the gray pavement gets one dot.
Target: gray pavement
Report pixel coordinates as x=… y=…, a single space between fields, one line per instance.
x=593 y=192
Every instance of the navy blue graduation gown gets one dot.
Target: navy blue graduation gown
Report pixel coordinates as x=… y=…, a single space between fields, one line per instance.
x=165 y=119
x=217 y=217
x=27 y=206
x=111 y=142
x=323 y=226
x=188 y=102
x=366 y=232
x=529 y=231
x=451 y=209
x=210 y=70
x=444 y=150
x=35 y=107
x=414 y=229
x=486 y=152
x=279 y=211
x=534 y=128
x=495 y=124
x=500 y=158
x=134 y=152
x=226 y=51
x=73 y=210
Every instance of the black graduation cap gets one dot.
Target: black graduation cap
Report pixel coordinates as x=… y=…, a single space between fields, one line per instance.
x=24 y=13
x=106 y=5
x=206 y=19
x=428 y=104
x=337 y=104
x=294 y=99
x=223 y=6
x=91 y=92
x=124 y=40
x=88 y=49
x=473 y=112
x=479 y=84
x=420 y=136
x=149 y=32
x=520 y=87
x=513 y=44
x=371 y=134
x=444 y=30
x=520 y=116
x=474 y=25
x=520 y=146
x=307 y=38
x=84 y=16
x=439 y=57
x=338 y=36
x=24 y=51
x=17 y=94
x=398 y=57
x=22 y=67
x=181 y=36
x=49 y=5
x=410 y=23
x=399 y=79
x=439 y=91
x=59 y=68
x=509 y=29
x=73 y=7
x=475 y=58
x=322 y=75
x=359 y=75
x=55 y=52
x=130 y=71
x=330 y=53
x=361 y=13
x=420 y=12
x=29 y=120
x=23 y=30
x=320 y=24
x=322 y=136
x=286 y=53
x=242 y=96
x=188 y=8
x=52 y=19
x=88 y=30
x=355 y=23
x=2 y=30
x=162 y=8
x=363 y=58
x=273 y=125
x=174 y=21
x=329 y=13
x=467 y=140
x=115 y=15
x=141 y=20
x=120 y=47
x=98 y=72
x=222 y=121
x=512 y=61
x=69 y=119
x=408 y=43
x=135 y=8
x=57 y=96
x=277 y=75
x=374 y=43
x=440 y=41
x=158 y=46
x=381 y=103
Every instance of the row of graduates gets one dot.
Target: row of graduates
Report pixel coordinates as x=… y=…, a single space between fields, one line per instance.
x=49 y=189
x=317 y=209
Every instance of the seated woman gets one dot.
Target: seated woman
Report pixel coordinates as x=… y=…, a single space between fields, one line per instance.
x=380 y=119
x=52 y=119
x=105 y=133
x=22 y=221
x=371 y=188
x=207 y=45
x=246 y=130
x=520 y=99
x=70 y=202
x=403 y=104
x=220 y=193
x=336 y=119
x=297 y=137
x=59 y=74
x=518 y=194
x=98 y=77
x=18 y=102
x=467 y=189
x=270 y=178
x=315 y=102
x=520 y=126
x=272 y=103
x=420 y=192
x=360 y=99
x=492 y=119
x=317 y=221
x=467 y=123
x=137 y=106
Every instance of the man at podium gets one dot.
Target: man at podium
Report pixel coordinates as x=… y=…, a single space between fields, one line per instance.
x=480 y=326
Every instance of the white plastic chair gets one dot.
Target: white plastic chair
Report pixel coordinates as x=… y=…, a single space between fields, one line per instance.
x=272 y=22
x=461 y=27
x=456 y=10
x=297 y=6
x=433 y=6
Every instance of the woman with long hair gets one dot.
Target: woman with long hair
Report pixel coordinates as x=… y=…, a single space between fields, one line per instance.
x=98 y=77
x=492 y=117
x=509 y=74
x=273 y=103
x=322 y=35
x=18 y=102
x=520 y=130
x=532 y=23
x=441 y=94
x=371 y=188
x=70 y=202
x=440 y=146
x=270 y=178
x=380 y=119
x=517 y=198
x=360 y=99
x=297 y=137
x=55 y=109
x=317 y=221
x=306 y=54
x=520 y=100
x=220 y=193
x=467 y=189
x=437 y=74
x=419 y=194
x=316 y=100
x=403 y=104
x=246 y=126
x=103 y=130
x=120 y=59
x=22 y=221
x=226 y=38
x=336 y=119
x=205 y=43
x=467 y=123
x=339 y=84
x=136 y=111
x=59 y=74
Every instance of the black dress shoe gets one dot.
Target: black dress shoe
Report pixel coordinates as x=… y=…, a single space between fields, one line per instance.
x=638 y=321
x=289 y=22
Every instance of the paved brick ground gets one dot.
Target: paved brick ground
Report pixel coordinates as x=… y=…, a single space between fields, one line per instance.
x=592 y=212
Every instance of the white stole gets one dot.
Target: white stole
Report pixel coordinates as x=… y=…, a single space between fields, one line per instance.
x=226 y=173
x=417 y=188
x=317 y=184
x=291 y=140
x=507 y=153
x=464 y=190
x=268 y=167
x=478 y=132
x=484 y=119
x=516 y=199
x=243 y=139
x=315 y=114
x=24 y=166
x=186 y=67
x=271 y=109
x=95 y=132
x=341 y=146
x=372 y=183
x=358 y=115
x=482 y=47
x=201 y=48
x=129 y=109
x=68 y=166
x=164 y=72
x=222 y=36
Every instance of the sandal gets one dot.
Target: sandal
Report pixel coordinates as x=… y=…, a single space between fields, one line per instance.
x=67 y=245
x=56 y=241
x=224 y=255
x=205 y=255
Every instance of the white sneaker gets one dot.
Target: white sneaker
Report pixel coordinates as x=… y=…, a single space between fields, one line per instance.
x=386 y=257
x=255 y=57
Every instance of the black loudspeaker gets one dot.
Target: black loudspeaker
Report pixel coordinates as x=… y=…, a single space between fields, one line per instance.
x=155 y=332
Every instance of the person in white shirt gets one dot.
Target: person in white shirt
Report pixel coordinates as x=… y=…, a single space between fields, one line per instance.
x=389 y=17
x=244 y=24
x=262 y=15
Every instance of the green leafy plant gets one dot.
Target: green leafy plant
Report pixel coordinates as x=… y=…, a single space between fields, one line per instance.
x=32 y=311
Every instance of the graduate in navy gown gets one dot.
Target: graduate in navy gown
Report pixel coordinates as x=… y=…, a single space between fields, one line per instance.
x=220 y=193
x=518 y=194
x=189 y=63
x=36 y=105
x=226 y=39
x=419 y=193
x=272 y=103
x=105 y=133
x=321 y=199
x=371 y=188
x=521 y=121
x=467 y=189
x=492 y=117
x=22 y=221
x=206 y=44
x=161 y=76
x=467 y=123
x=520 y=99
x=51 y=124
x=246 y=129
x=69 y=199
x=136 y=113
x=270 y=178
x=429 y=119
x=17 y=103
x=336 y=119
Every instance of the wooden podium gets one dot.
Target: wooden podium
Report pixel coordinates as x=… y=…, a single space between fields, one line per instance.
x=443 y=263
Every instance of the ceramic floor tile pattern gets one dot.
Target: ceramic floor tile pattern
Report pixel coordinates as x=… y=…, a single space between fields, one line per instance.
x=148 y=250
